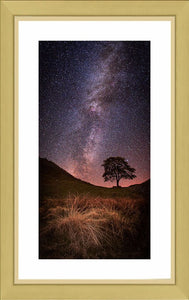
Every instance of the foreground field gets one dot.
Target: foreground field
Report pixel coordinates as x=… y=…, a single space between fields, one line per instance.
x=79 y=220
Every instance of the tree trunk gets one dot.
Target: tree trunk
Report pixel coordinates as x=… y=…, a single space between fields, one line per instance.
x=117 y=182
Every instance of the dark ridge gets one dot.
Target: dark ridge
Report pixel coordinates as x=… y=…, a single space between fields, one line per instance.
x=51 y=169
x=57 y=183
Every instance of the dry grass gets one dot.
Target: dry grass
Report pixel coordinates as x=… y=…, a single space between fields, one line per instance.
x=85 y=227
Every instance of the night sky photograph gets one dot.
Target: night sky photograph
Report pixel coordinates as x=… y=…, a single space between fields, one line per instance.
x=94 y=149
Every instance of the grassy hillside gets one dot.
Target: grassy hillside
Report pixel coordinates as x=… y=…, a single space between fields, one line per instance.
x=80 y=220
x=58 y=183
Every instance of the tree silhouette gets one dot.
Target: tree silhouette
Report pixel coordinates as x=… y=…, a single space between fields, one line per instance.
x=116 y=168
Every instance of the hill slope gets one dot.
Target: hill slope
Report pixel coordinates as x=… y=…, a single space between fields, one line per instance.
x=56 y=182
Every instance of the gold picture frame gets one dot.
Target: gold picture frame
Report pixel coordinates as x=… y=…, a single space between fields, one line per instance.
x=175 y=289
x=17 y=19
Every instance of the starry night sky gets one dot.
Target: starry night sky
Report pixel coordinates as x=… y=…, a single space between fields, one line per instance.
x=94 y=102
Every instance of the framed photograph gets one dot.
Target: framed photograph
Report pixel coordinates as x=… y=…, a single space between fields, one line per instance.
x=94 y=119
x=89 y=133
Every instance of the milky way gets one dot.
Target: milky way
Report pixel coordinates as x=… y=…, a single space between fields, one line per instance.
x=94 y=102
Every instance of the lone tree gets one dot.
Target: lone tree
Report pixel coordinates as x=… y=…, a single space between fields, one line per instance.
x=116 y=168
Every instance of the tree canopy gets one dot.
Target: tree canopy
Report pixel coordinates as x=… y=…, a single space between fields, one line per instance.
x=116 y=168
